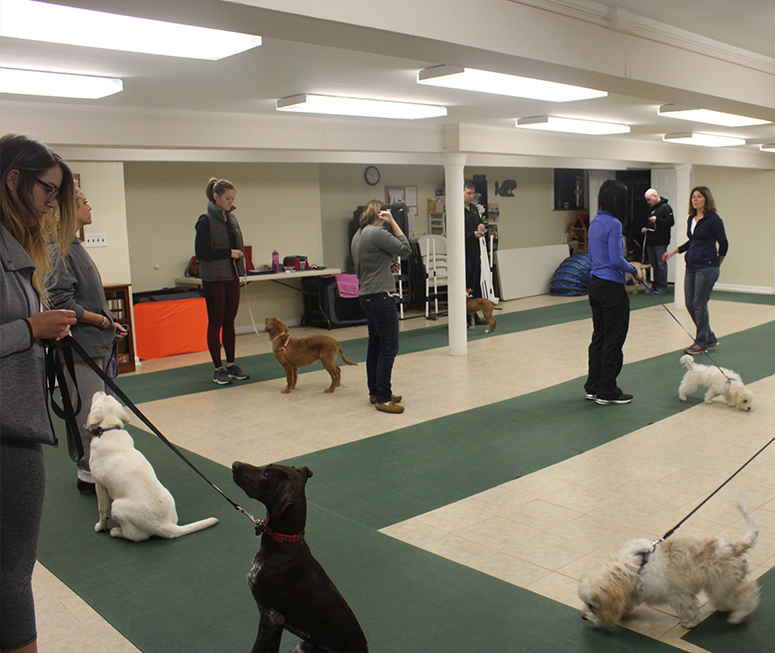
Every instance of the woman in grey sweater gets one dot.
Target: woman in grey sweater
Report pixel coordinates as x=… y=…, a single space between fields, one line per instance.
x=75 y=284
x=33 y=179
x=373 y=250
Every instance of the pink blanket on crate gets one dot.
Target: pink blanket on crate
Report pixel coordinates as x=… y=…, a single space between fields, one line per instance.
x=347 y=285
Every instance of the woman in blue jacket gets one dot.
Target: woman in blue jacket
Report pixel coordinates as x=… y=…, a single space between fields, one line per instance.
x=705 y=250
x=607 y=295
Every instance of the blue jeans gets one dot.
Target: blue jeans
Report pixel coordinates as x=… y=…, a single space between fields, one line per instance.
x=658 y=266
x=698 y=285
x=382 y=319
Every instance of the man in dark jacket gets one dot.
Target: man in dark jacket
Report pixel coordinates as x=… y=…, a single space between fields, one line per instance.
x=474 y=229
x=657 y=237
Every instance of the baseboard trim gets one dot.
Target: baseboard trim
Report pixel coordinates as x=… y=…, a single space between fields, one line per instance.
x=757 y=290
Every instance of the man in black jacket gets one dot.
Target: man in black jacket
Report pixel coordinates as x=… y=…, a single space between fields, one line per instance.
x=474 y=229
x=657 y=237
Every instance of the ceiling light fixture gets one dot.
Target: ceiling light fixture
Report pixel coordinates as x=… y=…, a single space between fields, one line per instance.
x=767 y=147
x=572 y=125
x=37 y=82
x=39 y=21
x=348 y=106
x=483 y=81
x=708 y=116
x=705 y=140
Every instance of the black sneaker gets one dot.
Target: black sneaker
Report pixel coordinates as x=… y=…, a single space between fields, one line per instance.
x=713 y=344
x=221 y=377
x=694 y=350
x=235 y=372
x=621 y=399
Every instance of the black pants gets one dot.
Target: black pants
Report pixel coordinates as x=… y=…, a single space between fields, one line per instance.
x=611 y=320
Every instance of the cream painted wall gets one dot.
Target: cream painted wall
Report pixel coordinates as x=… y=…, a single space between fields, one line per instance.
x=103 y=185
x=527 y=219
x=278 y=207
x=746 y=202
x=343 y=189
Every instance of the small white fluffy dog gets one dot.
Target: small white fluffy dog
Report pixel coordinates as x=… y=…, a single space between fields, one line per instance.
x=141 y=504
x=673 y=574
x=727 y=384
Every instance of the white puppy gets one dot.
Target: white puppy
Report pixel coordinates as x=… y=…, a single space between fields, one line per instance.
x=673 y=574
x=724 y=383
x=141 y=504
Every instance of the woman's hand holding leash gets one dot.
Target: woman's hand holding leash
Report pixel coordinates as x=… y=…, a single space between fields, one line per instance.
x=52 y=325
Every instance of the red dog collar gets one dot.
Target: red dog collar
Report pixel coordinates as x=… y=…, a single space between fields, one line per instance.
x=282 y=538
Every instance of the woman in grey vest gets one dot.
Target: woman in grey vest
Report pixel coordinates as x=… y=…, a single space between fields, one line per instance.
x=220 y=251
x=33 y=180
x=75 y=284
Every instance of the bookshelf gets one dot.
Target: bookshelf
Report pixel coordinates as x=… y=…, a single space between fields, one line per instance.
x=119 y=302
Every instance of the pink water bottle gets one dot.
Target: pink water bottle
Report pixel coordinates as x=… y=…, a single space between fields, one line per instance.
x=275 y=261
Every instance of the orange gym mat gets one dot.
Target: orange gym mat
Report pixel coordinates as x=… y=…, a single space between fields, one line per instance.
x=169 y=328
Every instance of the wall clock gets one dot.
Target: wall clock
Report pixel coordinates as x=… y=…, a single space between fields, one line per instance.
x=371 y=175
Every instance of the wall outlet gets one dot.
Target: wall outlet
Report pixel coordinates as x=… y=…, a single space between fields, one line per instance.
x=96 y=240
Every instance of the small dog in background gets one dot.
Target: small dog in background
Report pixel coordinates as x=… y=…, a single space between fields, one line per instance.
x=141 y=505
x=637 y=285
x=720 y=383
x=674 y=573
x=480 y=304
x=293 y=353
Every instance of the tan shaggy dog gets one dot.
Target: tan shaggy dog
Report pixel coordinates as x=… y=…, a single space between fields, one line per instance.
x=293 y=353
x=481 y=304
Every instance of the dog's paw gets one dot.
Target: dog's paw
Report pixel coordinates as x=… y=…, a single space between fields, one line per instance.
x=101 y=526
x=682 y=397
x=117 y=532
x=285 y=391
x=487 y=331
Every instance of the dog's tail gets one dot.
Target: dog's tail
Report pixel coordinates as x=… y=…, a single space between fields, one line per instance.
x=687 y=361
x=174 y=530
x=344 y=358
x=752 y=534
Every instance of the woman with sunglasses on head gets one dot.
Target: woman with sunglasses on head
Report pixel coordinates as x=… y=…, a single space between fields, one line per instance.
x=705 y=250
x=75 y=284
x=220 y=251
x=33 y=182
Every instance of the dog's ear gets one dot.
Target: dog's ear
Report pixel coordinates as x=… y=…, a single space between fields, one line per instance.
x=287 y=493
x=615 y=594
x=306 y=473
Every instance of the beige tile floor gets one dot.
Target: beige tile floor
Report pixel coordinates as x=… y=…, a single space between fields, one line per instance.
x=550 y=524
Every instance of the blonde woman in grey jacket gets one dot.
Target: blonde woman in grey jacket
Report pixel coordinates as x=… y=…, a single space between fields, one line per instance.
x=33 y=181
x=75 y=284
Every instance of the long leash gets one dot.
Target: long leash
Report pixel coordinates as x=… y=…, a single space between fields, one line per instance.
x=704 y=350
x=247 y=299
x=69 y=343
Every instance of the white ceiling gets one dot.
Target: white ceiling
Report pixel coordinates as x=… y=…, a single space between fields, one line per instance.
x=302 y=52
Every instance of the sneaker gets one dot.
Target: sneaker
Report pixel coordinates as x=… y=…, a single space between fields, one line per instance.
x=591 y=397
x=396 y=399
x=694 y=350
x=713 y=344
x=621 y=399
x=221 y=377
x=392 y=407
x=235 y=372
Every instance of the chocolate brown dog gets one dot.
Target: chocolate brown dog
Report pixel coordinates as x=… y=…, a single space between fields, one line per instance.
x=293 y=353
x=290 y=587
x=480 y=304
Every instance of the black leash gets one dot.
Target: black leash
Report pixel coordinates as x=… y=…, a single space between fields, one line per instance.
x=694 y=340
x=69 y=344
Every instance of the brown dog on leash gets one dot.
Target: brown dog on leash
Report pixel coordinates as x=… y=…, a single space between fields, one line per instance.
x=480 y=304
x=293 y=353
x=292 y=590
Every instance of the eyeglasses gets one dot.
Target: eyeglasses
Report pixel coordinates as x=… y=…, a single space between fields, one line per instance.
x=53 y=191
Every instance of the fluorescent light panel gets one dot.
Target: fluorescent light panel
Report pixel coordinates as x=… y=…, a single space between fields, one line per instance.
x=39 y=21
x=709 y=116
x=347 y=106
x=36 y=82
x=705 y=140
x=483 y=81
x=767 y=147
x=572 y=125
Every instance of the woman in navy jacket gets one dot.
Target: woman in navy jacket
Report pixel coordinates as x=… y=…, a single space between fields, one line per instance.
x=705 y=250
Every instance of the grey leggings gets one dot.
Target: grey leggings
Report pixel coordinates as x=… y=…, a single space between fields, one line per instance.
x=22 y=487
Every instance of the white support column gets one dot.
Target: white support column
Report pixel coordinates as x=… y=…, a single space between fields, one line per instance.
x=454 y=164
x=683 y=187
